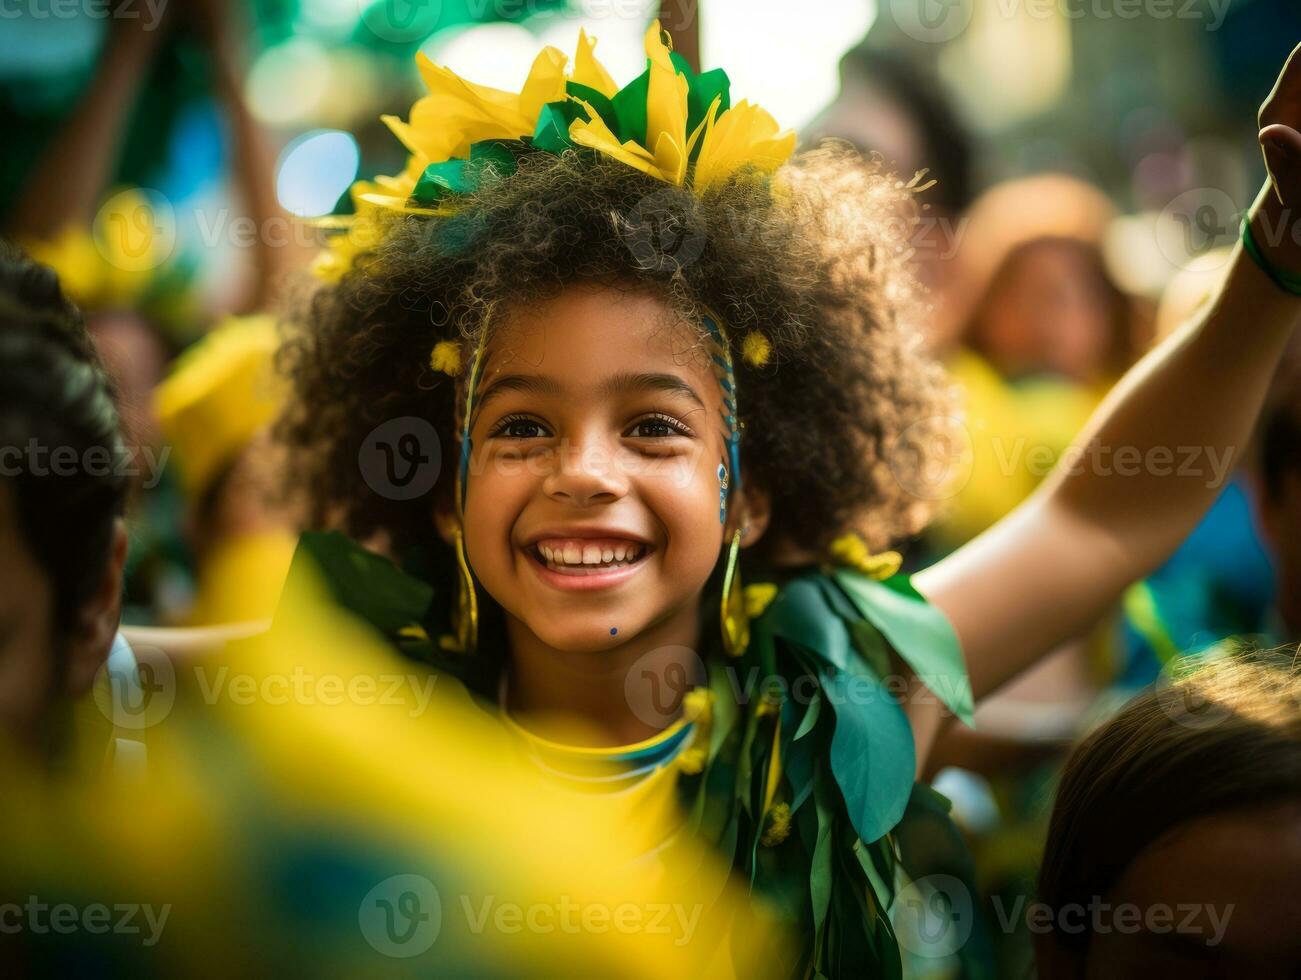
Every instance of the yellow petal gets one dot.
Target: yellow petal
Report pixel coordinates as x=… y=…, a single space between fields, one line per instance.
x=457 y=112
x=670 y=159
x=596 y=135
x=744 y=135
x=546 y=83
x=704 y=124
x=666 y=110
x=656 y=50
x=590 y=72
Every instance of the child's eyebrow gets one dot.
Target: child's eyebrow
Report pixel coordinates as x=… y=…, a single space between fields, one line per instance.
x=542 y=384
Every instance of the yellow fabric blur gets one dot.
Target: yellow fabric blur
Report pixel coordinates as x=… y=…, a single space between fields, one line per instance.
x=1014 y=434
x=299 y=771
x=240 y=579
x=220 y=394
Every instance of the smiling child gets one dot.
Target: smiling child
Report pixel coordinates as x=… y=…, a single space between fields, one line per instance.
x=665 y=373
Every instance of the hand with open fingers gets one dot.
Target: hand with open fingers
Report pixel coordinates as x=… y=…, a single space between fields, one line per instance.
x=1280 y=132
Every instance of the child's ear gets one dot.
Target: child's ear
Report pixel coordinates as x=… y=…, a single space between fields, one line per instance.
x=97 y=621
x=754 y=512
x=445 y=520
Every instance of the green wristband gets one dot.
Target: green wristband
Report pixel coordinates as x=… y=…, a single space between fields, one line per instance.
x=1287 y=281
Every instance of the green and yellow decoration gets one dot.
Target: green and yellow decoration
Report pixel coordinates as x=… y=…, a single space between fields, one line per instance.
x=671 y=123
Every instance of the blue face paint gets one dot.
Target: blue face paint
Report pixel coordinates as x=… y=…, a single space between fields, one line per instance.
x=614 y=630
x=722 y=494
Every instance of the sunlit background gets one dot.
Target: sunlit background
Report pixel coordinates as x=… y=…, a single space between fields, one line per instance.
x=1147 y=107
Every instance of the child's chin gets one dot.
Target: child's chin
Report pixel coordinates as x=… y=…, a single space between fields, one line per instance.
x=576 y=638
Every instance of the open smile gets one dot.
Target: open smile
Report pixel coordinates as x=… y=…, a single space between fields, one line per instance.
x=587 y=563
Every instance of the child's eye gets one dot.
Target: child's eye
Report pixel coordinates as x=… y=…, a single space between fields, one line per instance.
x=658 y=426
x=518 y=427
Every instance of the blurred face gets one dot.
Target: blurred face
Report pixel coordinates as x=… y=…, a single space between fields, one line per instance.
x=27 y=642
x=592 y=511
x=1045 y=315
x=1224 y=888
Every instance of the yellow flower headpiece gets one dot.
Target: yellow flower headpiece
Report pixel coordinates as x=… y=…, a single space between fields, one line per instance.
x=674 y=124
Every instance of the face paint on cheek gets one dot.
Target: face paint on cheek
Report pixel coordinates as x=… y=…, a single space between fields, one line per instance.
x=722 y=494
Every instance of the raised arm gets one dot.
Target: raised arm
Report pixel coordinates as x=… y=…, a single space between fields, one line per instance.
x=70 y=175
x=1150 y=461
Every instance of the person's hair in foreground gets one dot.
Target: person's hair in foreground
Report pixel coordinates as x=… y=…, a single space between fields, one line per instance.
x=62 y=492
x=1175 y=838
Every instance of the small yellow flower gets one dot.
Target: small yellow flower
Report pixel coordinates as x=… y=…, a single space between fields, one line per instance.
x=698 y=704
x=779 y=825
x=852 y=551
x=757 y=598
x=756 y=349
x=446 y=357
x=692 y=761
x=770 y=702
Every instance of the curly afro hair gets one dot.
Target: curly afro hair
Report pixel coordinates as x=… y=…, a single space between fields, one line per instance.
x=814 y=257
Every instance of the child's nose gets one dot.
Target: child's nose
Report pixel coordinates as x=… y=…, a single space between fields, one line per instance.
x=587 y=472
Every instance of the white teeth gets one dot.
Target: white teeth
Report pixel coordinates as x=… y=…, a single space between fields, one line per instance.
x=578 y=554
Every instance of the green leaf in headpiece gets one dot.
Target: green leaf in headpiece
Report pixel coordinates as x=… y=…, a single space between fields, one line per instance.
x=494 y=153
x=462 y=176
x=442 y=179
x=918 y=632
x=552 y=131
x=702 y=89
x=598 y=101
x=630 y=109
